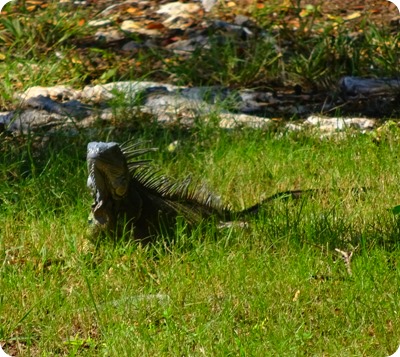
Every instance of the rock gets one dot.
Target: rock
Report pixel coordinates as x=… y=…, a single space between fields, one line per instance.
x=131 y=46
x=5 y=120
x=190 y=45
x=338 y=124
x=109 y=35
x=208 y=4
x=170 y=107
x=117 y=7
x=71 y=2
x=103 y=92
x=100 y=23
x=96 y=94
x=57 y=92
x=241 y=19
x=233 y=28
x=137 y=27
x=210 y=94
x=355 y=86
x=293 y=127
x=31 y=120
x=231 y=121
x=177 y=9
x=50 y=109
x=71 y=108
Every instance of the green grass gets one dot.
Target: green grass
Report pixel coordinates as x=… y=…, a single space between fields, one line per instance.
x=276 y=288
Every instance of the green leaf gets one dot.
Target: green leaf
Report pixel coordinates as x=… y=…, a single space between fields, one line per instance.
x=108 y=74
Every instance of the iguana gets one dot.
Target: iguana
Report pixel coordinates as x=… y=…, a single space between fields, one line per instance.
x=131 y=195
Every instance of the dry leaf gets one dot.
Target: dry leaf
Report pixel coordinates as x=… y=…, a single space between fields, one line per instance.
x=155 y=26
x=296 y=296
x=304 y=13
x=132 y=10
x=295 y=23
x=352 y=16
x=81 y=22
x=31 y=8
x=2 y=56
x=337 y=19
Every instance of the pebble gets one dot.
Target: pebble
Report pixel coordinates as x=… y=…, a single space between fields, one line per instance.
x=100 y=23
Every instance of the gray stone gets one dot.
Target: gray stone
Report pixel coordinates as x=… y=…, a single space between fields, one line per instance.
x=175 y=10
x=100 y=23
x=208 y=4
x=131 y=46
x=109 y=35
x=190 y=45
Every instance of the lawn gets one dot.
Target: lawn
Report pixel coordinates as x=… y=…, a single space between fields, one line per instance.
x=278 y=287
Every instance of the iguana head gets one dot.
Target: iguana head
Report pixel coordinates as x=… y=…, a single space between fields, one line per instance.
x=108 y=181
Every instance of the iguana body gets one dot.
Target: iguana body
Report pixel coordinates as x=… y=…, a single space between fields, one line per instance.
x=130 y=195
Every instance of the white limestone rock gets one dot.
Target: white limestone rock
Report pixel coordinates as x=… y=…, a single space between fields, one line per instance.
x=339 y=124
x=56 y=93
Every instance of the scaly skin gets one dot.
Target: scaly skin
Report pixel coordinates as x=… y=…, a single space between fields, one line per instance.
x=131 y=196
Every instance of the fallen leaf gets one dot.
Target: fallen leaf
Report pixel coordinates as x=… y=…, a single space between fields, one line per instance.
x=304 y=13
x=133 y=11
x=337 y=19
x=81 y=22
x=309 y=10
x=352 y=16
x=295 y=23
x=155 y=26
x=31 y=8
x=2 y=56
x=296 y=296
x=377 y=11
